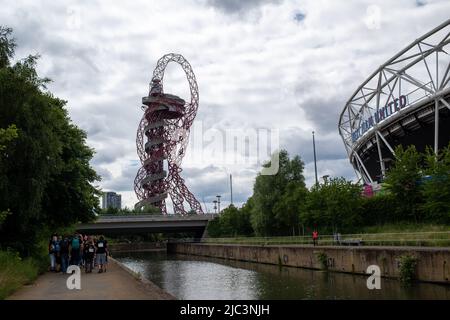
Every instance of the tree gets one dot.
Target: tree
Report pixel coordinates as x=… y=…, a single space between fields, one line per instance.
x=214 y=228
x=270 y=214
x=6 y=136
x=7 y=46
x=334 y=205
x=378 y=210
x=403 y=180
x=231 y=222
x=46 y=180
x=147 y=209
x=436 y=189
x=287 y=209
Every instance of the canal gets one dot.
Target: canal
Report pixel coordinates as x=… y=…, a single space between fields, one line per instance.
x=193 y=277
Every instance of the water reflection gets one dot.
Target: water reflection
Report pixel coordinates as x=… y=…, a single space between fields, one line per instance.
x=193 y=277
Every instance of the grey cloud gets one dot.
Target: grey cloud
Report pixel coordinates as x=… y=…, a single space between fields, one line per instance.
x=299 y=16
x=237 y=6
x=421 y=3
x=273 y=72
x=125 y=181
x=105 y=174
x=299 y=142
x=108 y=153
x=335 y=169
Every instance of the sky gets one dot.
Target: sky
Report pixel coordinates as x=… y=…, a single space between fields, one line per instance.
x=274 y=70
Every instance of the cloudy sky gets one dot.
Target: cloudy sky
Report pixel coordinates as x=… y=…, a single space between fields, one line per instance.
x=285 y=67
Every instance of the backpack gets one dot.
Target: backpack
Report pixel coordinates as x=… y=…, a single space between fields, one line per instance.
x=64 y=246
x=75 y=243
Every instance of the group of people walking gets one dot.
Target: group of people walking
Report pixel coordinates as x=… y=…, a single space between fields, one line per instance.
x=80 y=250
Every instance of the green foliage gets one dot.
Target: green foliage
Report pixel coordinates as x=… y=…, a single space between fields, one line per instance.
x=231 y=222
x=335 y=206
x=214 y=228
x=6 y=136
x=16 y=272
x=436 y=189
x=277 y=198
x=7 y=46
x=323 y=259
x=3 y=215
x=147 y=209
x=402 y=181
x=407 y=264
x=113 y=211
x=405 y=227
x=46 y=180
x=420 y=183
x=378 y=210
x=281 y=203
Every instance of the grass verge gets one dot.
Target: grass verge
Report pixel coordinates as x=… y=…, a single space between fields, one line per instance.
x=16 y=272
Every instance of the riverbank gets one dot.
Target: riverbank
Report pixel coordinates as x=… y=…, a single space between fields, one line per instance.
x=432 y=264
x=16 y=272
x=118 y=283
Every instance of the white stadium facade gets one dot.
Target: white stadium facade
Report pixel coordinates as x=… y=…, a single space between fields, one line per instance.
x=406 y=101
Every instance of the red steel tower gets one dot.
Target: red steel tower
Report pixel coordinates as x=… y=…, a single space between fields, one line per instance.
x=161 y=141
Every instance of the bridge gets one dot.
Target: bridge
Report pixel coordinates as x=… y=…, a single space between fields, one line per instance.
x=170 y=223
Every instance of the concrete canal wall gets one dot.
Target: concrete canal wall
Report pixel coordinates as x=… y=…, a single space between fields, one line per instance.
x=433 y=264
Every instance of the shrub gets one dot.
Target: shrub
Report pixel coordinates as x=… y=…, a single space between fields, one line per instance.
x=323 y=259
x=16 y=272
x=408 y=265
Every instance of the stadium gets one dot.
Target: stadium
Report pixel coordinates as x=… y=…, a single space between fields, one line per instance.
x=406 y=101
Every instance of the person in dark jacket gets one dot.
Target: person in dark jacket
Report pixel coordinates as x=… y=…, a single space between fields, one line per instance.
x=88 y=253
x=64 y=252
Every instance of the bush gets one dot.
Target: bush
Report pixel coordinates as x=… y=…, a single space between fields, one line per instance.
x=334 y=206
x=323 y=259
x=408 y=265
x=16 y=272
x=378 y=210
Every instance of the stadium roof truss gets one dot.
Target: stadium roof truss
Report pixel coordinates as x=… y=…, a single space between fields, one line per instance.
x=417 y=75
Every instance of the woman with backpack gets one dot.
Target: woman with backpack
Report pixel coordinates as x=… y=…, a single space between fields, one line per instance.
x=64 y=254
x=75 y=245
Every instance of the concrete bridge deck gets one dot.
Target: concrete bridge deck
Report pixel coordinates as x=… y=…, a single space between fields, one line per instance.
x=147 y=224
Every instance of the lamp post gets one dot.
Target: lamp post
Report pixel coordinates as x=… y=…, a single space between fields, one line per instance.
x=315 y=161
x=231 y=189
x=215 y=206
x=218 y=203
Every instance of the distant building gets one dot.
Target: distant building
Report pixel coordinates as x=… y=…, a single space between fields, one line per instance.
x=111 y=200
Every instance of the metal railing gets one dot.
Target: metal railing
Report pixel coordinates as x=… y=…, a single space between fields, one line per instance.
x=436 y=238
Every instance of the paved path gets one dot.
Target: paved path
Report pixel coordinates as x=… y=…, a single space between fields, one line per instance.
x=116 y=284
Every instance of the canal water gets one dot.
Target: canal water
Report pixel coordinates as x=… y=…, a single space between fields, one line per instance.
x=193 y=277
